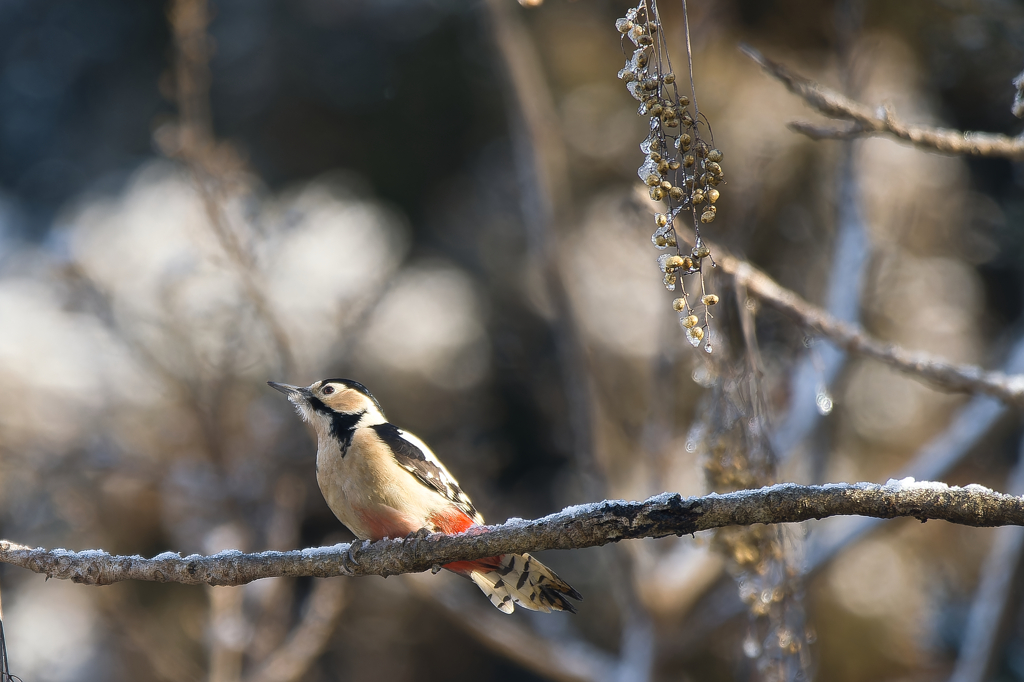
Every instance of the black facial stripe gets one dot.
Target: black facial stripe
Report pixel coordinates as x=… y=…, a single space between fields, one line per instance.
x=319 y=406
x=342 y=425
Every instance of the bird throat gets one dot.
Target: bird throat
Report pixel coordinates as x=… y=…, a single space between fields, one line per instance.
x=342 y=424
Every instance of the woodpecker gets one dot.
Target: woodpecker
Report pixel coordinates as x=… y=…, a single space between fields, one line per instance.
x=383 y=482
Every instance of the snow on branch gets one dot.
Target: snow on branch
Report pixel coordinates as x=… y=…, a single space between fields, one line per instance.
x=587 y=525
x=865 y=120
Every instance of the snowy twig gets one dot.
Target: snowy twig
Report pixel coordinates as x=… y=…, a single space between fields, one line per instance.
x=935 y=371
x=882 y=120
x=575 y=527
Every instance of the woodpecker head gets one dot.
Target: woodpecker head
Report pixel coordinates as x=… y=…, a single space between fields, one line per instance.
x=333 y=406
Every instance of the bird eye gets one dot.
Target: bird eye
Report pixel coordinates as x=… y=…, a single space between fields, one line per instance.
x=327 y=390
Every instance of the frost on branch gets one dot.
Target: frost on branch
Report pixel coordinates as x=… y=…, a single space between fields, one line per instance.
x=589 y=525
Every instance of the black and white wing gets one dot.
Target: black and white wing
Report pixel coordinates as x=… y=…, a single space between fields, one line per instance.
x=415 y=457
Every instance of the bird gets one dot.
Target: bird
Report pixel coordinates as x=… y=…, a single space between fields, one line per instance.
x=383 y=482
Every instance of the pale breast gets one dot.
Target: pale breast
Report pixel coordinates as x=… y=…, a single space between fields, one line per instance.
x=369 y=492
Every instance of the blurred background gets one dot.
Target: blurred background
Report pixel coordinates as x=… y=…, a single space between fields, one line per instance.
x=439 y=199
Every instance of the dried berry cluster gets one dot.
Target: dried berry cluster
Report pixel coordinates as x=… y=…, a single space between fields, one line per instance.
x=680 y=168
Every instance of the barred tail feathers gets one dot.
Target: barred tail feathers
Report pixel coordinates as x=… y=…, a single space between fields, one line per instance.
x=521 y=579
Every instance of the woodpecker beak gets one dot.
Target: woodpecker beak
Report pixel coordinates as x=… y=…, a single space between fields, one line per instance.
x=293 y=392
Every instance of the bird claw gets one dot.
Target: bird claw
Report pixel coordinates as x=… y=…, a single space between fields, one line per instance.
x=350 y=560
x=417 y=536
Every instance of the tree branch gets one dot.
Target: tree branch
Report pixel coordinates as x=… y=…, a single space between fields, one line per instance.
x=588 y=525
x=881 y=120
x=936 y=371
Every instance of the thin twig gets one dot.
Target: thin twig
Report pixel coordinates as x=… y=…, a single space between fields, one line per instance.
x=815 y=131
x=881 y=120
x=957 y=378
x=589 y=525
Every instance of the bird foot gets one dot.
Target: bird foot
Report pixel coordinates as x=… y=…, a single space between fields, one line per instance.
x=418 y=536
x=350 y=560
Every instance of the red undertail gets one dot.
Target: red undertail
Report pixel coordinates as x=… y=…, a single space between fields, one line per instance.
x=452 y=522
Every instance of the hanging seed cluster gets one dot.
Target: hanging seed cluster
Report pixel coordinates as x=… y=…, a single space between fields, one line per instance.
x=681 y=169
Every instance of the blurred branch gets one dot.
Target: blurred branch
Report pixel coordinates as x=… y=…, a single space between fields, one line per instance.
x=225 y=643
x=817 y=369
x=147 y=636
x=211 y=164
x=188 y=20
x=1017 y=108
x=882 y=120
x=5 y=667
x=991 y=611
x=590 y=525
x=244 y=266
x=933 y=461
x=292 y=660
x=938 y=372
x=275 y=600
x=556 y=658
x=542 y=165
